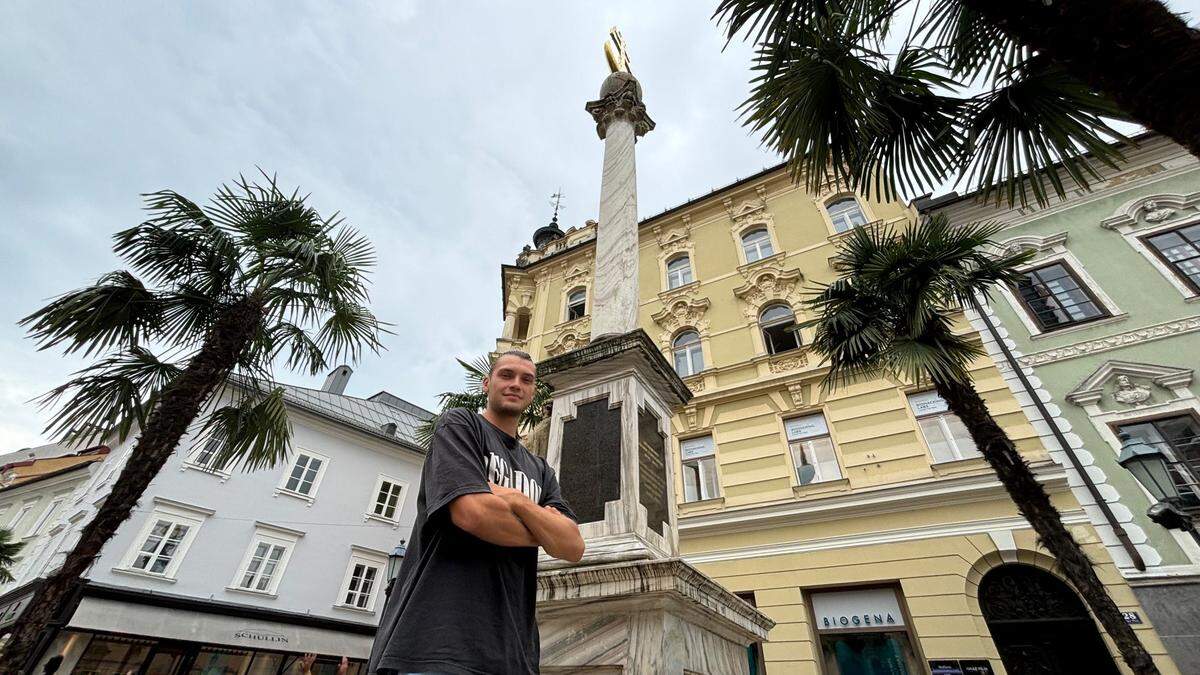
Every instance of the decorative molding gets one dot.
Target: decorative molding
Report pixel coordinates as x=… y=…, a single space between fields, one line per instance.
x=796 y=391
x=793 y=360
x=620 y=98
x=695 y=383
x=672 y=240
x=1151 y=210
x=683 y=312
x=1032 y=242
x=1091 y=390
x=768 y=281
x=689 y=414
x=750 y=209
x=572 y=335
x=1110 y=342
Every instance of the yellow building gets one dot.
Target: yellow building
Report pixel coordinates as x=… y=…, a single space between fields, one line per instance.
x=862 y=521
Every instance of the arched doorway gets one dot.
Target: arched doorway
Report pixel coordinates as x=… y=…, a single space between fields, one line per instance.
x=1039 y=624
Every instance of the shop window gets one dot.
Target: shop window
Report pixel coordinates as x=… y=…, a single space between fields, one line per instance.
x=846 y=214
x=779 y=329
x=1180 y=248
x=1055 y=299
x=389 y=498
x=812 y=449
x=304 y=477
x=699 y=469
x=679 y=272
x=864 y=631
x=754 y=653
x=217 y=661
x=576 y=304
x=689 y=357
x=756 y=244
x=944 y=433
x=1178 y=437
x=265 y=560
x=105 y=655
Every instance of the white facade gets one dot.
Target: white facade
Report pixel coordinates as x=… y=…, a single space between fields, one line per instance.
x=308 y=538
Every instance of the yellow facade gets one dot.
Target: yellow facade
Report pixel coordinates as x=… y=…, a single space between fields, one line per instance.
x=894 y=518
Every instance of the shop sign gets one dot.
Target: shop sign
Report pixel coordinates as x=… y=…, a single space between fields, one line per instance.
x=11 y=611
x=960 y=667
x=927 y=403
x=866 y=608
x=264 y=636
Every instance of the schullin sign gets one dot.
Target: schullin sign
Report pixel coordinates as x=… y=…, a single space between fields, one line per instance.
x=868 y=608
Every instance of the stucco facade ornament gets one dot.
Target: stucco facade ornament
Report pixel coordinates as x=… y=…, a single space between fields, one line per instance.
x=620 y=96
x=690 y=415
x=788 y=363
x=572 y=338
x=1152 y=209
x=1117 y=341
x=672 y=240
x=683 y=312
x=754 y=209
x=1129 y=393
x=696 y=383
x=1153 y=213
x=796 y=392
x=768 y=282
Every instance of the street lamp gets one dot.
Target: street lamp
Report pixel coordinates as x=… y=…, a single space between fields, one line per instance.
x=1151 y=467
x=395 y=559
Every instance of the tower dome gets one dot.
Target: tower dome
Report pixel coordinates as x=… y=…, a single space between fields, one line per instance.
x=547 y=233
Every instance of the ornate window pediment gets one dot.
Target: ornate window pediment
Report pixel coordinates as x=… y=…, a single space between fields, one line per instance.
x=768 y=282
x=574 y=334
x=683 y=311
x=1152 y=210
x=1130 y=384
x=1032 y=242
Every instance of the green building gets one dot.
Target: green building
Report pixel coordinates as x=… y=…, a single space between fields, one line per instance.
x=1106 y=326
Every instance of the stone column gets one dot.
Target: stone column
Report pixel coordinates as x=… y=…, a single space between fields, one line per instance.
x=620 y=118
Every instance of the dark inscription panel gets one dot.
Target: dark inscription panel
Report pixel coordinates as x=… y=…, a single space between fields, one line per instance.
x=652 y=470
x=590 y=470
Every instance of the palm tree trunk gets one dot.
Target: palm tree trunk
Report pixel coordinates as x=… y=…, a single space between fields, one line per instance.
x=1136 y=52
x=179 y=405
x=1034 y=504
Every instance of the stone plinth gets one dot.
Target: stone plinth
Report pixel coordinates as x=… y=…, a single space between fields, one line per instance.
x=609 y=443
x=660 y=616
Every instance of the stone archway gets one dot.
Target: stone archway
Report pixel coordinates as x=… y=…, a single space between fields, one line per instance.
x=1039 y=625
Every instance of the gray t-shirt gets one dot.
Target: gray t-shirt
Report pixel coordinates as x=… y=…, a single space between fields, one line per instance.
x=460 y=604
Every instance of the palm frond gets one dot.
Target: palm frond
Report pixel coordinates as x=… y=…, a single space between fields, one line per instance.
x=9 y=550
x=253 y=432
x=118 y=311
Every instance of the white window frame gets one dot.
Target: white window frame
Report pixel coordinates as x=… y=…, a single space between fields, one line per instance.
x=692 y=351
x=271 y=535
x=367 y=557
x=176 y=513
x=16 y=521
x=676 y=277
x=793 y=432
x=192 y=462
x=940 y=415
x=766 y=242
x=843 y=216
x=374 y=499
x=1134 y=231
x=316 y=485
x=567 y=304
x=706 y=464
x=49 y=512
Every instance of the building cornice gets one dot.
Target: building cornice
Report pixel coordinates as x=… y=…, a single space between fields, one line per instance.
x=1115 y=341
x=928 y=492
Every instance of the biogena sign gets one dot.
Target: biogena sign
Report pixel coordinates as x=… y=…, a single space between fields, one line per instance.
x=857 y=608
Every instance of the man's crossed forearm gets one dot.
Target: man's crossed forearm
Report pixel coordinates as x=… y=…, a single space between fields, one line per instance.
x=506 y=517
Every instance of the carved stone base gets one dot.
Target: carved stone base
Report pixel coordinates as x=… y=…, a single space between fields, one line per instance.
x=660 y=616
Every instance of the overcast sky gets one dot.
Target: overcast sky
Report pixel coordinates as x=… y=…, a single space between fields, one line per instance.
x=439 y=129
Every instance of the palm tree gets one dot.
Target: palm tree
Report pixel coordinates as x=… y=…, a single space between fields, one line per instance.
x=8 y=554
x=225 y=290
x=891 y=311
x=473 y=398
x=980 y=91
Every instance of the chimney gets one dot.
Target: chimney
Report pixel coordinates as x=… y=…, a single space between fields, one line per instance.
x=335 y=383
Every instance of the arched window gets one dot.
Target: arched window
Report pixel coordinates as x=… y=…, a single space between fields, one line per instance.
x=757 y=245
x=689 y=358
x=679 y=272
x=779 y=329
x=846 y=214
x=576 y=304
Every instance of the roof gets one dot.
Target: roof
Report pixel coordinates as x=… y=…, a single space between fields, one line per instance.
x=33 y=469
x=370 y=415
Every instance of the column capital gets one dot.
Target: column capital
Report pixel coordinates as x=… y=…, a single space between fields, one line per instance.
x=620 y=98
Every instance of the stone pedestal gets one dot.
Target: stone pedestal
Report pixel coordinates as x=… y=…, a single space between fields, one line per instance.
x=631 y=605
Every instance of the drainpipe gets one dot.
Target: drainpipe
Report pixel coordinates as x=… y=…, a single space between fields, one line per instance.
x=1118 y=529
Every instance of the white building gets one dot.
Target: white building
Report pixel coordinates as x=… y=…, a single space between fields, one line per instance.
x=240 y=573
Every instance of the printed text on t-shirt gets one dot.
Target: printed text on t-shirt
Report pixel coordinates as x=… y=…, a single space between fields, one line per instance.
x=500 y=473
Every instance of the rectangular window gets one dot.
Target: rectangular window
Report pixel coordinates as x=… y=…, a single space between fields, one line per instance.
x=206 y=456
x=19 y=519
x=812 y=449
x=362 y=585
x=699 y=469
x=389 y=495
x=160 y=546
x=48 y=515
x=262 y=567
x=364 y=579
x=1055 y=298
x=945 y=434
x=1181 y=250
x=304 y=476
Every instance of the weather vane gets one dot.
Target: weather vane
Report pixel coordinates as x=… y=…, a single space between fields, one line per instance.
x=556 y=200
x=616 y=52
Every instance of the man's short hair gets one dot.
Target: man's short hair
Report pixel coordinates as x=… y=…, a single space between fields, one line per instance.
x=512 y=352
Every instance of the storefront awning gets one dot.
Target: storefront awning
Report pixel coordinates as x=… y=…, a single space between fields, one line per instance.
x=172 y=623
